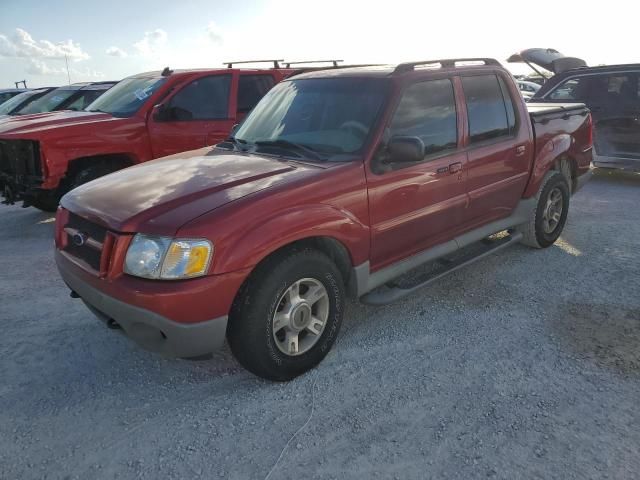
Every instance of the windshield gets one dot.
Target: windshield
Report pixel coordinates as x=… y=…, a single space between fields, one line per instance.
x=127 y=96
x=48 y=102
x=329 y=116
x=10 y=105
x=6 y=96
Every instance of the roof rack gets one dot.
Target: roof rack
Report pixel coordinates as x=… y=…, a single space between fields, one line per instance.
x=300 y=71
x=445 y=63
x=334 y=62
x=276 y=63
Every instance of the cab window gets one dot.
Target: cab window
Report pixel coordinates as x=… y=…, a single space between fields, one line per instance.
x=427 y=110
x=251 y=88
x=489 y=116
x=206 y=98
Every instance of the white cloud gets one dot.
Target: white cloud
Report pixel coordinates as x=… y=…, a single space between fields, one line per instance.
x=21 y=44
x=39 y=67
x=151 y=42
x=214 y=33
x=116 y=52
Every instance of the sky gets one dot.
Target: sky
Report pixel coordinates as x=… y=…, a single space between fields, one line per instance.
x=114 y=39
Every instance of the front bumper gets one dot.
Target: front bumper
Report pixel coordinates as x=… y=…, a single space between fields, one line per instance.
x=148 y=329
x=14 y=187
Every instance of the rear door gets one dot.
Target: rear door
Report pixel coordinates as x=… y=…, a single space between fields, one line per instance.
x=197 y=112
x=498 y=148
x=416 y=205
x=614 y=101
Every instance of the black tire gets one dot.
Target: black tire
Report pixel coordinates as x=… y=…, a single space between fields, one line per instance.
x=250 y=330
x=534 y=234
x=46 y=201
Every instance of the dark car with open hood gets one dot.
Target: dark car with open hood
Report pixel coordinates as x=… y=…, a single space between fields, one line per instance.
x=340 y=182
x=612 y=93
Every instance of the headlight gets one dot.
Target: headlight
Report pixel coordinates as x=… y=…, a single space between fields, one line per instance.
x=167 y=258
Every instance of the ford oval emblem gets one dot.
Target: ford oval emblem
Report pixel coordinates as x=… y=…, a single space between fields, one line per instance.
x=79 y=238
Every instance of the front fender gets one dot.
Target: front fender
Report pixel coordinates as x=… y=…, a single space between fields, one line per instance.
x=291 y=225
x=547 y=155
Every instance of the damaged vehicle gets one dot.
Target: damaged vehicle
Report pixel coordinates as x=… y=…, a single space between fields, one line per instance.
x=612 y=93
x=339 y=182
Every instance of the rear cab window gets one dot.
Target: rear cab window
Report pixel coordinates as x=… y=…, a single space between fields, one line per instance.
x=251 y=88
x=490 y=110
x=206 y=98
x=427 y=110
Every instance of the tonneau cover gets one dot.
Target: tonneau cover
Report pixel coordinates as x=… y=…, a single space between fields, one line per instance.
x=542 y=109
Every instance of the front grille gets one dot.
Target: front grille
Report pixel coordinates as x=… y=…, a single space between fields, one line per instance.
x=20 y=157
x=94 y=236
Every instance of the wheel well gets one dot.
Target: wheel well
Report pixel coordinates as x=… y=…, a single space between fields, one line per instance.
x=569 y=167
x=113 y=162
x=332 y=248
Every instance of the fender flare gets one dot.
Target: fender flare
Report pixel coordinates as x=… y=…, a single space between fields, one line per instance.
x=555 y=148
x=289 y=226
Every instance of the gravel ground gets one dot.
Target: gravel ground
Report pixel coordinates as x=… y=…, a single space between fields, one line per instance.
x=524 y=365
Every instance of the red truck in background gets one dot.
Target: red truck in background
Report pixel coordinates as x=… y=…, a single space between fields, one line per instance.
x=146 y=116
x=340 y=182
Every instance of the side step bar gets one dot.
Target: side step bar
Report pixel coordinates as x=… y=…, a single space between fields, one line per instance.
x=397 y=289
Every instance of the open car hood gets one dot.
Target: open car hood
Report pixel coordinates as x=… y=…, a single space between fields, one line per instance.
x=547 y=58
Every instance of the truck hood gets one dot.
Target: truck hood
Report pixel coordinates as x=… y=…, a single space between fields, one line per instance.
x=160 y=196
x=41 y=122
x=547 y=58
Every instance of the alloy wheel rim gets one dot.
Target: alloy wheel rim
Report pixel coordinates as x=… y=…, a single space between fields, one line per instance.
x=301 y=316
x=552 y=211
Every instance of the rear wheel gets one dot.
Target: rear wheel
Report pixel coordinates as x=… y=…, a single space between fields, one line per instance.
x=287 y=315
x=550 y=215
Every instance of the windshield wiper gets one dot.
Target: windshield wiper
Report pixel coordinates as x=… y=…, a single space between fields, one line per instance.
x=286 y=144
x=236 y=142
x=97 y=110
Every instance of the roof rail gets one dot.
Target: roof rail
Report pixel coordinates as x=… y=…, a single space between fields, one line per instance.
x=300 y=71
x=445 y=63
x=276 y=63
x=334 y=62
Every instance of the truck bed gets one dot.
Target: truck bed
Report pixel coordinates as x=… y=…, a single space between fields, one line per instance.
x=552 y=122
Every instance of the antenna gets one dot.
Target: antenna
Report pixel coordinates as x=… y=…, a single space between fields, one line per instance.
x=66 y=60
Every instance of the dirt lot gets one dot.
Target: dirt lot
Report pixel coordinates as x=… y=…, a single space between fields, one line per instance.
x=524 y=365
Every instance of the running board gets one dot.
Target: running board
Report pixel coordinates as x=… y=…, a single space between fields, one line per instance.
x=409 y=283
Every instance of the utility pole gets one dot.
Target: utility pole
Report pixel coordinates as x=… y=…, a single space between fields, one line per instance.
x=66 y=60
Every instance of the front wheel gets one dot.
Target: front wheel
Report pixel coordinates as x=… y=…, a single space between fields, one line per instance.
x=550 y=215
x=287 y=315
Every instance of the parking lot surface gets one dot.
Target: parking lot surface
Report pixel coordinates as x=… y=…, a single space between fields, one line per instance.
x=523 y=365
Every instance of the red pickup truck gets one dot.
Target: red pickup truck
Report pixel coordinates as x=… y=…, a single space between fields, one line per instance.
x=370 y=182
x=143 y=117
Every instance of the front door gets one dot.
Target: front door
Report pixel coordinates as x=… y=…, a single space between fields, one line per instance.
x=193 y=117
x=417 y=205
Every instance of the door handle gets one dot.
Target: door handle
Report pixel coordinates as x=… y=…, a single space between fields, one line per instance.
x=455 y=167
x=520 y=150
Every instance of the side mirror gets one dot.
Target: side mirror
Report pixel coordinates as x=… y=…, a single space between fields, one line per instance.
x=403 y=149
x=234 y=129
x=159 y=113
